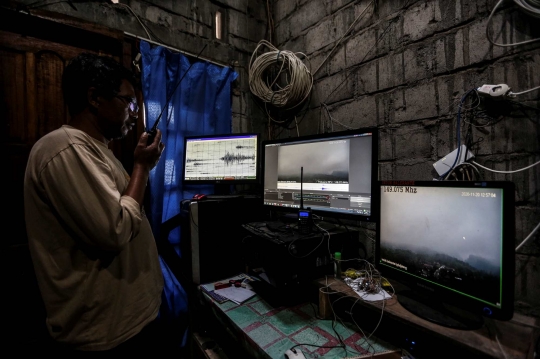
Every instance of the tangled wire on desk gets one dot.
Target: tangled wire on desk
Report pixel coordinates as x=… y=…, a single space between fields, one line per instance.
x=367 y=277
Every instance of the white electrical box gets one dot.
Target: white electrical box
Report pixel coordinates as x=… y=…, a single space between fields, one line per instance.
x=444 y=164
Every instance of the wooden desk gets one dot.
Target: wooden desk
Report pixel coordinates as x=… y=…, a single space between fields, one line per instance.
x=517 y=337
x=267 y=332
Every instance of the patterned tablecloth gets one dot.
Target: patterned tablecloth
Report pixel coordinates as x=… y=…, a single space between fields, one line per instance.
x=267 y=332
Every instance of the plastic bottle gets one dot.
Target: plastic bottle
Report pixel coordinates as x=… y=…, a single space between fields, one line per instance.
x=337 y=265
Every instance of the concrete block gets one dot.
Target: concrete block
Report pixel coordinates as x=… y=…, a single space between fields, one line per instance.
x=415 y=103
x=282 y=9
x=239 y=5
x=450 y=89
x=332 y=89
x=164 y=4
x=360 y=47
x=386 y=171
x=257 y=9
x=366 y=78
x=527 y=291
x=449 y=53
x=306 y=16
x=390 y=71
x=479 y=48
x=158 y=16
x=180 y=23
x=412 y=142
x=205 y=13
x=282 y=33
x=181 y=7
x=500 y=31
x=315 y=60
x=319 y=36
x=335 y=5
x=419 y=21
x=386 y=144
x=240 y=44
x=361 y=112
x=390 y=36
x=446 y=138
x=413 y=170
x=336 y=61
x=386 y=8
x=526 y=217
x=515 y=135
x=296 y=45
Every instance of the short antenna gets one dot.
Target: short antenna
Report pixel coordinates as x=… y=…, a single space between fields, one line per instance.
x=301 y=187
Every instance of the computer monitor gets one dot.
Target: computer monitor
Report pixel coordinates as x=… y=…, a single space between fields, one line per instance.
x=451 y=243
x=334 y=174
x=221 y=159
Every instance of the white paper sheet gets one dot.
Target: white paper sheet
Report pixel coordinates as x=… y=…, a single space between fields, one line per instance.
x=236 y=294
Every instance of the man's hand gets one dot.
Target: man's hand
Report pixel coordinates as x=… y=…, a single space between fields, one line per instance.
x=148 y=155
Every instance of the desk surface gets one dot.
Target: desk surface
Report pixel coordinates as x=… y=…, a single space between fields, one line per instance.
x=268 y=332
x=516 y=337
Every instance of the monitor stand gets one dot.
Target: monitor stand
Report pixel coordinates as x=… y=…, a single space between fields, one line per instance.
x=222 y=189
x=435 y=311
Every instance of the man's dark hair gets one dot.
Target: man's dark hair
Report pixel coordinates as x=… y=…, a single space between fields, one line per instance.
x=89 y=70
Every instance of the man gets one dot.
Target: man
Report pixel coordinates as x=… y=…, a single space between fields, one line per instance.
x=91 y=244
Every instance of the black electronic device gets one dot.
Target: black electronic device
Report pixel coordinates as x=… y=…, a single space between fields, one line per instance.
x=451 y=243
x=288 y=261
x=216 y=236
x=339 y=174
x=304 y=221
x=221 y=160
x=153 y=131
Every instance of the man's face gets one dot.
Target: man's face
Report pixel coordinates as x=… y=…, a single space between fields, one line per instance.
x=116 y=116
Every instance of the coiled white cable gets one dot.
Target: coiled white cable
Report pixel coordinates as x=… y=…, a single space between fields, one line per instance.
x=300 y=79
x=525 y=5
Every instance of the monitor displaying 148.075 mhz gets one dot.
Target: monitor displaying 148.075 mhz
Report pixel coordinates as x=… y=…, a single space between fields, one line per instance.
x=226 y=158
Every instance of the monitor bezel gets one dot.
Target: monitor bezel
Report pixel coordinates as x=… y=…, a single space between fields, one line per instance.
x=505 y=312
x=257 y=180
x=373 y=217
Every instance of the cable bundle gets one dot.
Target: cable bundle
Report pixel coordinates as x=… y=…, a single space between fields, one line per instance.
x=298 y=77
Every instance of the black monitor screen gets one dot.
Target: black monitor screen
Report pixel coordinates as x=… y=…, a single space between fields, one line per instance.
x=230 y=158
x=336 y=173
x=452 y=240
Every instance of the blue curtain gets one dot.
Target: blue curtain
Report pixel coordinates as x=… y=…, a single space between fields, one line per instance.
x=201 y=105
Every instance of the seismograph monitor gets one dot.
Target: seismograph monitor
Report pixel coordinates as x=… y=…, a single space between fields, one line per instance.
x=227 y=158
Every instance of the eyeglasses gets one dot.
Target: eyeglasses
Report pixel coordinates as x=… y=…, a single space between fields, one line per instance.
x=132 y=103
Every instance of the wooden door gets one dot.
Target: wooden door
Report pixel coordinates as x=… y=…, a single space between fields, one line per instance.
x=34 y=49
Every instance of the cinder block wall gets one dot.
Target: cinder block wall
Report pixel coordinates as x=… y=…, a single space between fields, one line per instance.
x=402 y=68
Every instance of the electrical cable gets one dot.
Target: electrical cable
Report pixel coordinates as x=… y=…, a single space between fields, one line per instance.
x=515 y=171
x=445 y=175
x=528 y=237
x=527 y=8
x=367 y=53
x=294 y=92
x=512 y=94
x=139 y=20
x=345 y=34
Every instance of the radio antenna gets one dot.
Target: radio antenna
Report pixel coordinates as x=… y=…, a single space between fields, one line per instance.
x=301 y=187
x=153 y=130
